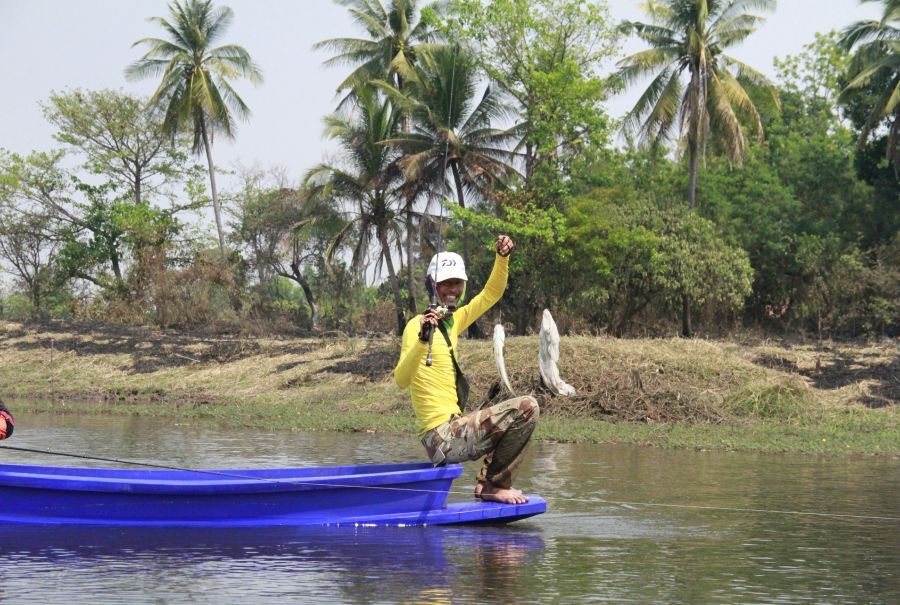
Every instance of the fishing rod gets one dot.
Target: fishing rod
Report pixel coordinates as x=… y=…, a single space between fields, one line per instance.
x=432 y=282
x=429 y=359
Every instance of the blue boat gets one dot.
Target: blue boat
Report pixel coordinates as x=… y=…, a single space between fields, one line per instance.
x=373 y=494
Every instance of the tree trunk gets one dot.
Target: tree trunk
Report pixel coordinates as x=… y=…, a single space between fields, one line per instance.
x=692 y=185
x=36 y=301
x=120 y=289
x=117 y=269
x=410 y=280
x=530 y=161
x=686 y=330
x=457 y=180
x=614 y=326
x=212 y=188
x=308 y=294
x=693 y=150
x=395 y=283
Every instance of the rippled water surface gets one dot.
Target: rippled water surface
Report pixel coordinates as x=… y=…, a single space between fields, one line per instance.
x=624 y=525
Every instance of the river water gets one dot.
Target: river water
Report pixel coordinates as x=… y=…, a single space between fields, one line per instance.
x=625 y=524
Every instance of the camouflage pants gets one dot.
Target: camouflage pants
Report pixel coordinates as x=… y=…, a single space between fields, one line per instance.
x=500 y=432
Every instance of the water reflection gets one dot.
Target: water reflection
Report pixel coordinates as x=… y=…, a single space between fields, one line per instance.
x=344 y=564
x=584 y=549
x=160 y=442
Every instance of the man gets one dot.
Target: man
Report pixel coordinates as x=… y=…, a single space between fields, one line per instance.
x=6 y=422
x=500 y=432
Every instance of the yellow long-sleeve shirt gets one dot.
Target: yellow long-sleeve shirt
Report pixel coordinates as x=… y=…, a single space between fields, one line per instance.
x=433 y=389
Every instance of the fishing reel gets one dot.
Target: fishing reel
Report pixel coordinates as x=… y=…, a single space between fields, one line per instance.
x=427 y=333
x=440 y=311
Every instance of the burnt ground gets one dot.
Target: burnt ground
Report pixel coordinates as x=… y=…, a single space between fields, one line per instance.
x=617 y=378
x=149 y=350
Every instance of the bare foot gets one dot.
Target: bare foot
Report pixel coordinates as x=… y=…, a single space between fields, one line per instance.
x=492 y=493
x=479 y=486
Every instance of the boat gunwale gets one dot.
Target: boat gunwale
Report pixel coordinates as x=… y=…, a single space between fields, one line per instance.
x=454 y=513
x=224 y=481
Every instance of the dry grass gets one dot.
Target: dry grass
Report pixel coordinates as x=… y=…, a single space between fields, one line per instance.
x=98 y=363
x=865 y=374
x=346 y=382
x=640 y=380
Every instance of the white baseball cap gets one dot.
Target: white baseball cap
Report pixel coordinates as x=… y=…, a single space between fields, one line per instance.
x=447 y=265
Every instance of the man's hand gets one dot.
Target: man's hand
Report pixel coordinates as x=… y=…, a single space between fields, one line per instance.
x=505 y=245
x=429 y=320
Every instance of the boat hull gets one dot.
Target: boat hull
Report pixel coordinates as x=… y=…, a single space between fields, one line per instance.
x=388 y=494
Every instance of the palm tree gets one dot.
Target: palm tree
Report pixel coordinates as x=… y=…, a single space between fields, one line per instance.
x=367 y=189
x=195 y=93
x=877 y=59
x=396 y=36
x=687 y=39
x=453 y=130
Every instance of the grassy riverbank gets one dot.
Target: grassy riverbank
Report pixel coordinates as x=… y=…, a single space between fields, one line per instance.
x=754 y=395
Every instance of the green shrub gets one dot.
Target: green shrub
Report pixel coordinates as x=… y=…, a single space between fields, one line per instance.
x=781 y=400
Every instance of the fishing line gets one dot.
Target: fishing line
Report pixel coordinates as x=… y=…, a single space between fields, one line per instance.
x=445 y=189
x=433 y=295
x=733 y=509
x=230 y=475
x=446 y=186
x=447 y=492
x=131 y=462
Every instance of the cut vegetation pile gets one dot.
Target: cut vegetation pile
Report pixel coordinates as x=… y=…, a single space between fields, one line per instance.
x=802 y=390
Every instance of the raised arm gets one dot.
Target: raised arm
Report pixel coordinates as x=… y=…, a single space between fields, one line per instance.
x=493 y=289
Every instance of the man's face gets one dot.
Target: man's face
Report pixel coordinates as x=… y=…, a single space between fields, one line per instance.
x=450 y=290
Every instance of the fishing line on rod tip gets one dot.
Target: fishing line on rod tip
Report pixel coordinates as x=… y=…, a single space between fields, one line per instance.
x=432 y=281
x=446 y=155
x=624 y=503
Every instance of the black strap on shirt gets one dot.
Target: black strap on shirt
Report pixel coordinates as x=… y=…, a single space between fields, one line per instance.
x=462 y=384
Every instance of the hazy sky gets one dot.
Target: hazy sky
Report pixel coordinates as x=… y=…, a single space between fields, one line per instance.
x=48 y=45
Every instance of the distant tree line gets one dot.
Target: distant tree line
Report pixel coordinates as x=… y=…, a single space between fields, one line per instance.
x=735 y=201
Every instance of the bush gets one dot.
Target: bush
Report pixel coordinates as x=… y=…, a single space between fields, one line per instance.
x=16 y=307
x=781 y=400
x=204 y=294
